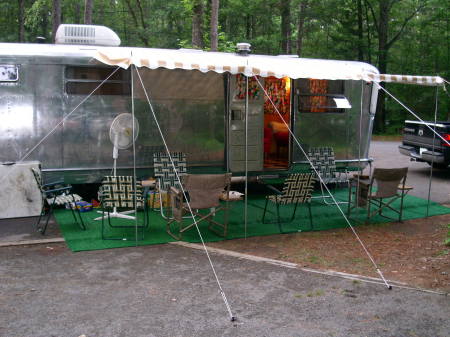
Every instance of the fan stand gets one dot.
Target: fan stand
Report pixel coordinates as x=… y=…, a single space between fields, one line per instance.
x=114 y=213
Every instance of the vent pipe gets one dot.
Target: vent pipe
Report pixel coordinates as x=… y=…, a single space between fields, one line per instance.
x=243 y=48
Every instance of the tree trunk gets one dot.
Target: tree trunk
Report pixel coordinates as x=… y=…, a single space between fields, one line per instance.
x=77 y=16
x=21 y=20
x=383 y=26
x=369 y=39
x=56 y=17
x=88 y=12
x=248 y=27
x=285 y=9
x=214 y=24
x=197 y=22
x=360 y=32
x=139 y=20
x=44 y=22
x=301 y=26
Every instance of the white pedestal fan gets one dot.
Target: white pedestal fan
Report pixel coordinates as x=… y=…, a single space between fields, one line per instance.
x=121 y=136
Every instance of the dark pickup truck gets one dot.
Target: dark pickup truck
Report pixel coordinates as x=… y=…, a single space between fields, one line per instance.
x=418 y=142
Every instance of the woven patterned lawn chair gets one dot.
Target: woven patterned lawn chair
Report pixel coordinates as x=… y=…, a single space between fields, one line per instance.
x=165 y=174
x=204 y=192
x=296 y=190
x=56 y=194
x=323 y=160
x=121 y=193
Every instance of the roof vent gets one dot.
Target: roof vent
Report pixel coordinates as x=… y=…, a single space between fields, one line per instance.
x=86 y=35
x=243 y=48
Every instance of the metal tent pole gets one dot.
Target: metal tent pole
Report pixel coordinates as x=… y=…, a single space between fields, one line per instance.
x=432 y=158
x=134 y=156
x=246 y=157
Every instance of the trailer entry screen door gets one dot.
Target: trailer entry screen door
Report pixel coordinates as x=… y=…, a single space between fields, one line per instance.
x=83 y=81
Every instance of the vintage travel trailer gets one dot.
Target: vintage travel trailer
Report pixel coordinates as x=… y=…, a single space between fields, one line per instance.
x=50 y=112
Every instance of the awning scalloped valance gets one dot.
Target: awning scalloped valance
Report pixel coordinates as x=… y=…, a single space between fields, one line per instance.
x=253 y=65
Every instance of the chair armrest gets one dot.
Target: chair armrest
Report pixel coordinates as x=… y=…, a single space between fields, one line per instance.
x=59 y=182
x=175 y=190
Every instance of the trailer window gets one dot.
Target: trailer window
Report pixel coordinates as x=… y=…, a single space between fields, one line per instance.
x=321 y=96
x=83 y=81
x=8 y=73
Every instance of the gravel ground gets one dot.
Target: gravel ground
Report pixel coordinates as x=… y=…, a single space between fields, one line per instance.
x=169 y=290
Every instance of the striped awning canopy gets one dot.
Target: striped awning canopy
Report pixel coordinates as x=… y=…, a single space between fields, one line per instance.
x=251 y=65
x=407 y=79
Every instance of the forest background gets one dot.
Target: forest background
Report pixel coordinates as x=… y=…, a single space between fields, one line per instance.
x=397 y=36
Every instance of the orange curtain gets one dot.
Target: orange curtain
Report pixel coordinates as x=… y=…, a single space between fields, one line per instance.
x=279 y=92
x=318 y=87
x=253 y=88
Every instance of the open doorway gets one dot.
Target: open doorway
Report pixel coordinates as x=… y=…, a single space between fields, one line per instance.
x=276 y=133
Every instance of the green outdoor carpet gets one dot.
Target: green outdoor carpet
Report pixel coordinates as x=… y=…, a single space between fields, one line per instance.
x=324 y=217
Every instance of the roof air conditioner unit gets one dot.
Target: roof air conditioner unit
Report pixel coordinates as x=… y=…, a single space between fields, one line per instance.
x=86 y=35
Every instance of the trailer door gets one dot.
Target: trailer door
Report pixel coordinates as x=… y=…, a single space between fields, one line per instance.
x=237 y=126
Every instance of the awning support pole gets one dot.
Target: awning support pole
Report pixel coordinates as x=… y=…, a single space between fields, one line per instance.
x=246 y=158
x=432 y=158
x=166 y=147
x=326 y=187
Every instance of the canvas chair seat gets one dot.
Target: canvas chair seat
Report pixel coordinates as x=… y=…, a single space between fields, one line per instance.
x=390 y=187
x=297 y=189
x=203 y=191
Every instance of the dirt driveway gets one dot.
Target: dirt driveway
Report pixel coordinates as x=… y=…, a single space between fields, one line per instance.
x=168 y=290
x=412 y=252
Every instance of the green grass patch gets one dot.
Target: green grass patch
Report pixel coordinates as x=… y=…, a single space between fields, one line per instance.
x=447 y=240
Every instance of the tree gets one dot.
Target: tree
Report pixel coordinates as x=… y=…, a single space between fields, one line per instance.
x=88 y=12
x=385 y=43
x=139 y=20
x=214 y=24
x=56 y=17
x=21 y=20
x=301 y=25
x=285 y=10
x=197 y=24
x=360 y=32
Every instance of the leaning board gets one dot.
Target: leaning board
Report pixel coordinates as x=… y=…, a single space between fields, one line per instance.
x=19 y=193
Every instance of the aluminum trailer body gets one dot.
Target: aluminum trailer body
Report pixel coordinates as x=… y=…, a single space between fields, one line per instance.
x=49 y=113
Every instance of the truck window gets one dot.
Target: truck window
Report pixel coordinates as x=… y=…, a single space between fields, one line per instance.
x=9 y=73
x=83 y=80
x=321 y=96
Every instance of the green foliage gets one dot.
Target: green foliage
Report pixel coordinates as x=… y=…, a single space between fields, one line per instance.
x=447 y=240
